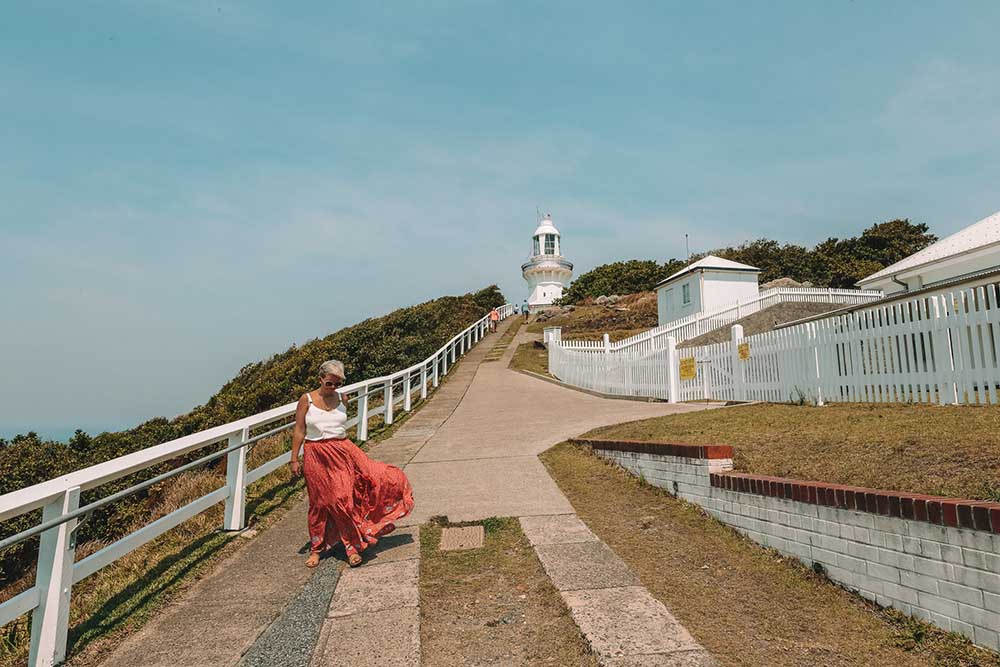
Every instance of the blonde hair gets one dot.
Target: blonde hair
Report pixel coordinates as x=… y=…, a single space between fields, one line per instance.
x=332 y=367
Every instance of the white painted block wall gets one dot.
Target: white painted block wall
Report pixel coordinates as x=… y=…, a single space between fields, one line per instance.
x=947 y=576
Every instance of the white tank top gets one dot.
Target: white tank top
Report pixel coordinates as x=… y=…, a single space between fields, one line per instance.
x=326 y=424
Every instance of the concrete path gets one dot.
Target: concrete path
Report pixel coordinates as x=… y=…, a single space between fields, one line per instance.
x=483 y=461
x=471 y=452
x=623 y=623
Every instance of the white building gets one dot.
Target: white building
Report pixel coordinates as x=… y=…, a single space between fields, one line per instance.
x=968 y=257
x=547 y=272
x=705 y=285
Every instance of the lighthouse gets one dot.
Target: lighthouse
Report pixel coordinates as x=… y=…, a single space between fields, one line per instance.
x=547 y=272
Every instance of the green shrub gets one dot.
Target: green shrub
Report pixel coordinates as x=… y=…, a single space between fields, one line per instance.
x=374 y=347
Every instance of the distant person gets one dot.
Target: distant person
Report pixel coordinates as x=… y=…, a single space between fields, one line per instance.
x=524 y=309
x=352 y=499
x=494 y=318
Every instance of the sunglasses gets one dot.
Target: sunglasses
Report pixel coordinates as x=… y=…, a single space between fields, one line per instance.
x=331 y=384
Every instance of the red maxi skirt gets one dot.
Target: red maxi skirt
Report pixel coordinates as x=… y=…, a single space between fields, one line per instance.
x=352 y=498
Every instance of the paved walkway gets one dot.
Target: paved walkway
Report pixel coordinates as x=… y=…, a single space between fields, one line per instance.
x=471 y=452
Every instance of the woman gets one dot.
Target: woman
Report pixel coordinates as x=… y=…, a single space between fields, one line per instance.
x=351 y=497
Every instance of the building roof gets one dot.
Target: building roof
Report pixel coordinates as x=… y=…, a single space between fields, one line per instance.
x=984 y=233
x=712 y=263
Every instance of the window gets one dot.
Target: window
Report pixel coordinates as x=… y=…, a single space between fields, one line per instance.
x=536 y=246
x=550 y=244
x=686 y=294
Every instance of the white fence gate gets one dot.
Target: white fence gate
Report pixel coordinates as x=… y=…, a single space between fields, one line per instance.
x=941 y=348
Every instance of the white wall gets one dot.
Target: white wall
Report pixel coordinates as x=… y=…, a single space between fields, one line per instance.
x=943 y=575
x=677 y=308
x=709 y=290
x=725 y=287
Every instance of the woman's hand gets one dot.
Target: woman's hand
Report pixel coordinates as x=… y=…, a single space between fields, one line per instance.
x=296 y=467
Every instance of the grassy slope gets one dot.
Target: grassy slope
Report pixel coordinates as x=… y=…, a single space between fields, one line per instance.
x=948 y=451
x=123 y=596
x=591 y=321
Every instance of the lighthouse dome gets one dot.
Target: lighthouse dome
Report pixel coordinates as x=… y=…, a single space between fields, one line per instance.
x=546 y=226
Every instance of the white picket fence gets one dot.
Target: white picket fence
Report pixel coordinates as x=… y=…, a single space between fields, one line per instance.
x=700 y=323
x=48 y=600
x=941 y=348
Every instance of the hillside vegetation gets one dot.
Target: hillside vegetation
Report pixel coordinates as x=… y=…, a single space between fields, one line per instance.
x=371 y=348
x=832 y=263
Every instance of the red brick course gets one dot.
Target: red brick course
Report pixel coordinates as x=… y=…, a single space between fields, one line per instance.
x=953 y=512
x=661 y=448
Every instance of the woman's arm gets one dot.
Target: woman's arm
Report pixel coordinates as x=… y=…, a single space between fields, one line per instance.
x=299 y=433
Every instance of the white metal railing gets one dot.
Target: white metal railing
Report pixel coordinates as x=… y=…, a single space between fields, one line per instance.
x=941 y=348
x=691 y=326
x=59 y=499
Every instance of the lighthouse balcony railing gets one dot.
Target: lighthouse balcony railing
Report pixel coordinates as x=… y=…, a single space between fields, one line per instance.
x=48 y=600
x=542 y=259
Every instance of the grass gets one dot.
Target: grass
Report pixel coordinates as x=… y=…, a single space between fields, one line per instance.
x=590 y=321
x=531 y=357
x=948 y=451
x=494 y=605
x=747 y=605
x=500 y=346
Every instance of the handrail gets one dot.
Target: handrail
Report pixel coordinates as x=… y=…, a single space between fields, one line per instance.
x=777 y=294
x=124 y=493
x=57 y=570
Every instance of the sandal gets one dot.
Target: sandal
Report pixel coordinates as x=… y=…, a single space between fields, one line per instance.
x=354 y=560
x=313 y=560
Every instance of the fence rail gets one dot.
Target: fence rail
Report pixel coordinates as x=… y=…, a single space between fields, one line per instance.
x=59 y=499
x=692 y=326
x=941 y=348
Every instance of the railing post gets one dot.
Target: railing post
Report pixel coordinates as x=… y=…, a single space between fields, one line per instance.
x=54 y=580
x=739 y=388
x=461 y=345
x=437 y=380
x=453 y=357
x=363 y=414
x=236 y=481
x=444 y=362
x=388 y=401
x=407 y=392
x=607 y=344
x=423 y=381
x=673 y=370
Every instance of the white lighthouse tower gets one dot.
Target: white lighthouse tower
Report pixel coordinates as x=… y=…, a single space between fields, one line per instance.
x=547 y=272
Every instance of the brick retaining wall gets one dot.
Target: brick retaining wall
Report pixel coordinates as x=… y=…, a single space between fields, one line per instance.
x=935 y=558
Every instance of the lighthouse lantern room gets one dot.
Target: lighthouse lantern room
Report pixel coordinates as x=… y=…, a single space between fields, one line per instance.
x=547 y=272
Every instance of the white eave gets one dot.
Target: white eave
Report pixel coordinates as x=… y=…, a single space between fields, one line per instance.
x=975 y=238
x=710 y=263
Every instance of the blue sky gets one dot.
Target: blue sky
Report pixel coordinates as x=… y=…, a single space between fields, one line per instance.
x=190 y=186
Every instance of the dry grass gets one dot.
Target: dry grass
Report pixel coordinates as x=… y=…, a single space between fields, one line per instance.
x=948 y=451
x=747 y=605
x=500 y=346
x=492 y=606
x=531 y=357
x=591 y=321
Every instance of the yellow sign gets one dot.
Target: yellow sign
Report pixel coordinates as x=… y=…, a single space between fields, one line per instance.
x=744 y=349
x=689 y=369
